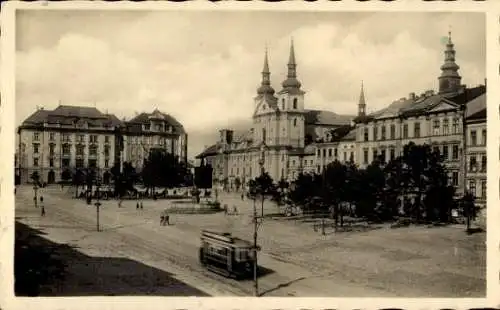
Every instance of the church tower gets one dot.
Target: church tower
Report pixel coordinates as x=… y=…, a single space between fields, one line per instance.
x=449 y=81
x=362 y=103
x=291 y=105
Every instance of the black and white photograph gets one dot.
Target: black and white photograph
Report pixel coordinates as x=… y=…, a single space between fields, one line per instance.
x=233 y=153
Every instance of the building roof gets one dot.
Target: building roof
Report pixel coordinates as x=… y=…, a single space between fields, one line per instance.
x=135 y=124
x=211 y=150
x=68 y=115
x=476 y=108
x=320 y=117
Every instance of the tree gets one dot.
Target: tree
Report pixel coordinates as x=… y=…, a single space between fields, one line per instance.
x=334 y=188
x=262 y=186
x=237 y=183
x=303 y=189
x=163 y=169
x=35 y=177
x=78 y=180
x=66 y=175
x=468 y=208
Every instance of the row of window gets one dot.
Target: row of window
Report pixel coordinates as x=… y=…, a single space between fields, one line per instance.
x=474 y=166
x=473 y=189
x=66 y=149
x=67 y=137
x=473 y=138
x=65 y=162
x=444 y=130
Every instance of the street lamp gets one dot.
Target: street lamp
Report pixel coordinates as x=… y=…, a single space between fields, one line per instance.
x=35 y=190
x=97 y=203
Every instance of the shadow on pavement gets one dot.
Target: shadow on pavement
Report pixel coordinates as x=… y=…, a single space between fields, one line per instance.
x=45 y=268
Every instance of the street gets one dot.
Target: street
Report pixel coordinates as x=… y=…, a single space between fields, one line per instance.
x=383 y=262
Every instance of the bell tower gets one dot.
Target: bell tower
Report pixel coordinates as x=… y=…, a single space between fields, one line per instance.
x=449 y=81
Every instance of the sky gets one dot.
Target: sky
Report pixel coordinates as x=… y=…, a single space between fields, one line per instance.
x=203 y=67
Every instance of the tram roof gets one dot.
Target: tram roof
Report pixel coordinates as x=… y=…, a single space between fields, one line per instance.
x=225 y=238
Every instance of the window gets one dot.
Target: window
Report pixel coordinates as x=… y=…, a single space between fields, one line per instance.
x=35 y=162
x=52 y=136
x=106 y=139
x=483 y=163
x=454 y=178
x=294 y=122
x=435 y=149
x=80 y=138
x=51 y=149
x=264 y=134
x=93 y=139
x=382 y=133
x=79 y=150
x=445 y=152
x=51 y=162
x=35 y=148
x=66 y=149
x=416 y=130
x=472 y=163
x=283 y=103
x=335 y=152
x=405 y=131
x=455 y=125
x=375 y=154
x=92 y=163
x=36 y=136
x=294 y=103
x=483 y=137
x=365 y=134
x=473 y=138
x=393 y=131
x=345 y=156
x=382 y=155
x=319 y=153
x=106 y=150
x=66 y=137
x=93 y=150
x=65 y=162
x=445 y=126
x=329 y=152
x=365 y=156
x=324 y=152
x=483 y=189
x=435 y=126
x=392 y=153
x=375 y=133
x=472 y=187
x=455 y=152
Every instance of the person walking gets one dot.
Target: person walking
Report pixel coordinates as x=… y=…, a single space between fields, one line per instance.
x=141 y=206
x=167 y=219
x=162 y=220
x=137 y=206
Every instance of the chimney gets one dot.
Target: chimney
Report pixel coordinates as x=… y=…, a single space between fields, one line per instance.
x=412 y=96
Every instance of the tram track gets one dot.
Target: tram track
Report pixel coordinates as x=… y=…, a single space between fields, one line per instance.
x=165 y=250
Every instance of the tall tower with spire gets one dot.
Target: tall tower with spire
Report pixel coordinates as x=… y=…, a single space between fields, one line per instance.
x=362 y=103
x=449 y=81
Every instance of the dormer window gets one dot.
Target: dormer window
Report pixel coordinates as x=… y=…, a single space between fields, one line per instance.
x=294 y=103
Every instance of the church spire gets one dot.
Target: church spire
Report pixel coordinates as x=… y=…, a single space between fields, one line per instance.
x=362 y=102
x=449 y=81
x=291 y=81
x=265 y=86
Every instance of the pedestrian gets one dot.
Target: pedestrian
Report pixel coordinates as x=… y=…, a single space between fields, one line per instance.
x=242 y=196
x=162 y=220
x=235 y=210
x=35 y=201
x=137 y=206
x=119 y=203
x=141 y=206
x=225 y=209
x=167 y=219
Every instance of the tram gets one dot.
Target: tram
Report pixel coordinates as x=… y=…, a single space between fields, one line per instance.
x=226 y=255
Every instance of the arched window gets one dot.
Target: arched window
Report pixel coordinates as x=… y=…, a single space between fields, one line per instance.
x=295 y=103
x=283 y=103
x=294 y=122
x=264 y=134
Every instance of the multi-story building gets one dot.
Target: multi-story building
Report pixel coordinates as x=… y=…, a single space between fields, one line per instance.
x=436 y=119
x=281 y=137
x=476 y=149
x=54 y=143
x=155 y=130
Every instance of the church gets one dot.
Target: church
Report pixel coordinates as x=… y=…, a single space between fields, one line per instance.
x=283 y=131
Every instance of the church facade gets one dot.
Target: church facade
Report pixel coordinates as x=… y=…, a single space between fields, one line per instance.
x=282 y=138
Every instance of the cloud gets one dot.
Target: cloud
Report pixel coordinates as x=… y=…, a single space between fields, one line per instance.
x=207 y=79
